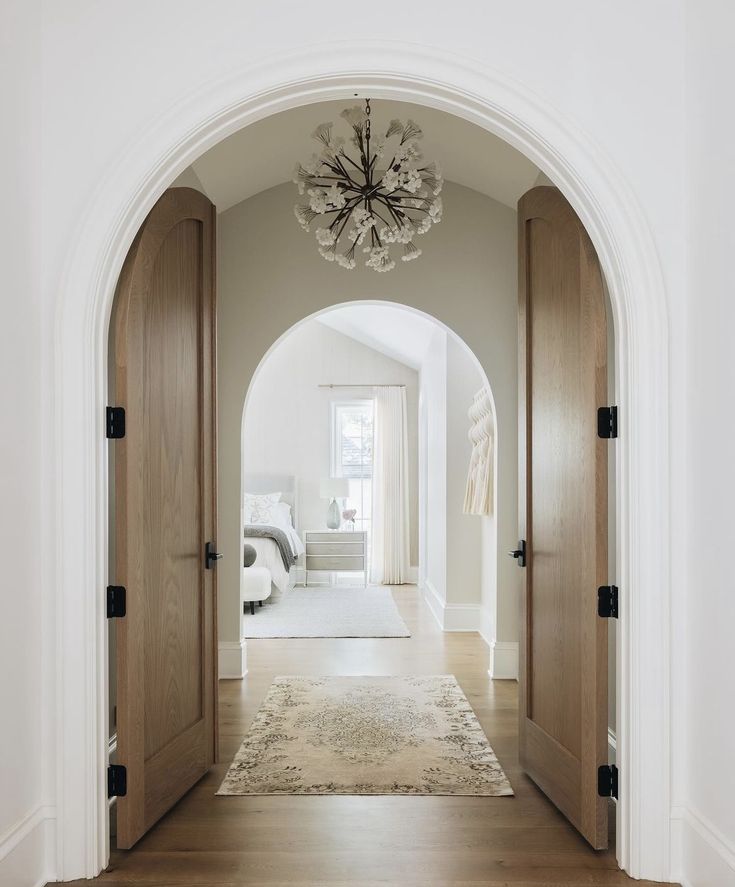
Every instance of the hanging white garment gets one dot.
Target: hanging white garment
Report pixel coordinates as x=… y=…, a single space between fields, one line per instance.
x=479 y=493
x=389 y=561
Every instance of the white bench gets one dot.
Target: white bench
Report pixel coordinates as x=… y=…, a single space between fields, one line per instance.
x=256 y=586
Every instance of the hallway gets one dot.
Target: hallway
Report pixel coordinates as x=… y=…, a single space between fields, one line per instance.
x=278 y=840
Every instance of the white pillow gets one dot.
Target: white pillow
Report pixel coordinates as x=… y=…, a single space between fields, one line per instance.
x=281 y=516
x=257 y=507
x=278 y=515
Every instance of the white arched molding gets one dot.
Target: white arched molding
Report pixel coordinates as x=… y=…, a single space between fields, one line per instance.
x=75 y=537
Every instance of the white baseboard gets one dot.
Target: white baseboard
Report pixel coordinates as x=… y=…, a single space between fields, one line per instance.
x=433 y=599
x=26 y=850
x=472 y=617
x=487 y=626
x=232 y=660
x=704 y=856
x=503 y=661
x=451 y=617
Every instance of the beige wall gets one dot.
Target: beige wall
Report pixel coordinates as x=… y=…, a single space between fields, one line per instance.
x=271 y=277
x=287 y=417
x=454 y=550
x=464 y=541
x=433 y=499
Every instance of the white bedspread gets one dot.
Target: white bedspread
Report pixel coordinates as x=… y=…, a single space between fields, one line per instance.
x=297 y=546
x=269 y=556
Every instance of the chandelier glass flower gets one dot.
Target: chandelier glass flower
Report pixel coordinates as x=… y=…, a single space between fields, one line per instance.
x=363 y=202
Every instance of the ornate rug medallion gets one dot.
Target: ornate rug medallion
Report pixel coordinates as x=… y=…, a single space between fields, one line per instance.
x=413 y=735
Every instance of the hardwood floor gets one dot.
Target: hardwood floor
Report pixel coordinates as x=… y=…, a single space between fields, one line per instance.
x=366 y=841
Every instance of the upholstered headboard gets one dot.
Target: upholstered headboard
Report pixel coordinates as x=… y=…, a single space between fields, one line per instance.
x=286 y=484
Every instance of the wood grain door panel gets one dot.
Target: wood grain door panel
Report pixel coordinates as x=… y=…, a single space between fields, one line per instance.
x=563 y=509
x=165 y=509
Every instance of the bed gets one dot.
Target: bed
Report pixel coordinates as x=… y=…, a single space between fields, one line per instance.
x=273 y=531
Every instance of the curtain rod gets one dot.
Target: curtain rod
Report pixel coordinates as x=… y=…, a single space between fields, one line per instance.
x=361 y=386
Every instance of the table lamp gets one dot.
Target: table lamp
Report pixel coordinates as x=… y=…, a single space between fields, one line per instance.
x=334 y=488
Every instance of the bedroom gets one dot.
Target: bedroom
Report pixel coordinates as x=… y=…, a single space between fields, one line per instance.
x=310 y=428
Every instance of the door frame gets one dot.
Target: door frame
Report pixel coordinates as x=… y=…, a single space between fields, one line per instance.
x=77 y=520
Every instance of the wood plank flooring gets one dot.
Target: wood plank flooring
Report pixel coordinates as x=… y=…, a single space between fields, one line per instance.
x=367 y=841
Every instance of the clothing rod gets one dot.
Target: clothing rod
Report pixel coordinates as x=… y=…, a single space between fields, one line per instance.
x=361 y=386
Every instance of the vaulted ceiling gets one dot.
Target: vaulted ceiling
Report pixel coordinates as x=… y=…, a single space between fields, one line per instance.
x=264 y=154
x=397 y=332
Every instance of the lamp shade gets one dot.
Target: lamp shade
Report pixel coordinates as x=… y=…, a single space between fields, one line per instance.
x=334 y=487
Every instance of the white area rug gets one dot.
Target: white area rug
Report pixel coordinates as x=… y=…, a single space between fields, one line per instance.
x=408 y=735
x=328 y=613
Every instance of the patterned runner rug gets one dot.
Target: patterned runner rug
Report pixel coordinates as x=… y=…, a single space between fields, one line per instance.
x=412 y=735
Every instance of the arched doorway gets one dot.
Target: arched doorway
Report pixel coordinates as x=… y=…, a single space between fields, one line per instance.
x=630 y=263
x=272 y=401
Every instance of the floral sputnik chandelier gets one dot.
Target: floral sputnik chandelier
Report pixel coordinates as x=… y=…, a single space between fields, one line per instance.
x=364 y=206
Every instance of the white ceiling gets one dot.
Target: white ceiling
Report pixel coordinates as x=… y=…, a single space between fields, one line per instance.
x=398 y=333
x=264 y=154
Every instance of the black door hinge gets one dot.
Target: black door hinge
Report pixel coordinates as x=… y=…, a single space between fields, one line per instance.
x=607 y=781
x=607 y=601
x=607 y=422
x=115 y=422
x=117 y=781
x=115 y=601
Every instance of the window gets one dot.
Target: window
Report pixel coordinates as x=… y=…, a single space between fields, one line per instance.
x=352 y=454
x=352 y=439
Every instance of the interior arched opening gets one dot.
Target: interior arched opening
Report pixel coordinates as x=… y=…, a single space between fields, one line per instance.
x=309 y=418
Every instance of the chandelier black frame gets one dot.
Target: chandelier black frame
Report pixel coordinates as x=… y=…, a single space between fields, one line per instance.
x=360 y=201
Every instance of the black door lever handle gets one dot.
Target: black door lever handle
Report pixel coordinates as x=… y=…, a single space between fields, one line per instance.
x=519 y=553
x=210 y=555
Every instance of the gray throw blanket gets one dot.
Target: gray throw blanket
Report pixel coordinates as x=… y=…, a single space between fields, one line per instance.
x=263 y=531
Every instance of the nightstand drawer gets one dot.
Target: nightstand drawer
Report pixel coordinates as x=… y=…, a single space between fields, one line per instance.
x=336 y=536
x=313 y=548
x=335 y=563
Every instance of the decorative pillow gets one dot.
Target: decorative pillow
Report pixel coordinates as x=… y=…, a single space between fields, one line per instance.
x=281 y=516
x=257 y=507
x=277 y=515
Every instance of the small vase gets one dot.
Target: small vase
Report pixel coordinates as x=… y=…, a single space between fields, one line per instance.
x=333 y=516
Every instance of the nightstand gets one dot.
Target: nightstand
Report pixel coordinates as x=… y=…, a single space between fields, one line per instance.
x=336 y=551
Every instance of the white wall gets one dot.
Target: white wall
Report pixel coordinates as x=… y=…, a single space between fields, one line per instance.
x=704 y=660
x=618 y=73
x=26 y=811
x=464 y=540
x=458 y=568
x=433 y=506
x=287 y=417
x=270 y=277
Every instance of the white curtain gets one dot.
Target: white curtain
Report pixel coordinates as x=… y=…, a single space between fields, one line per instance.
x=389 y=560
x=479 y=493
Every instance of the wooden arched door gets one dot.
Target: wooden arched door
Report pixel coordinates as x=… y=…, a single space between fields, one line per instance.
x=165 y=509
x=562 y=509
